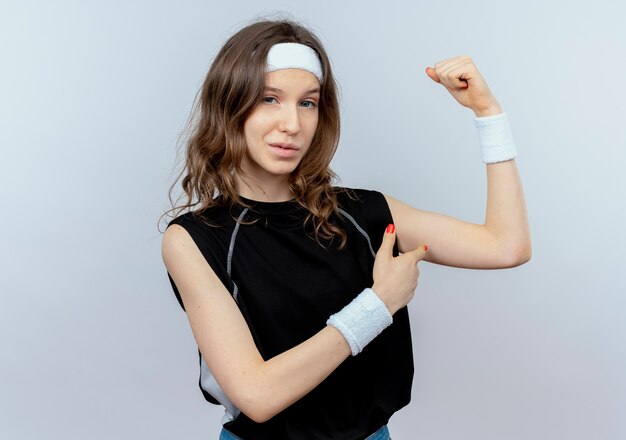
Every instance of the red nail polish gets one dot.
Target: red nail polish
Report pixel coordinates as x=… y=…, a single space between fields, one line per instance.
x=390 y=228
x=425 y=247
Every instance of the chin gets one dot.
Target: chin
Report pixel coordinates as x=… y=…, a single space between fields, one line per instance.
x=271 y=167
x=281 y=168
x=283 y=171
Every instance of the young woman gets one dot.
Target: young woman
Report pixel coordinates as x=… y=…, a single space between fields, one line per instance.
x=296 y=290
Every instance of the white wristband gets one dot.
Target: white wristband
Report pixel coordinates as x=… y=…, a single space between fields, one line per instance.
x=496 y=140
x=362 y=320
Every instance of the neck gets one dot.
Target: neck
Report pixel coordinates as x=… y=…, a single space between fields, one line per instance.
x=272 y=191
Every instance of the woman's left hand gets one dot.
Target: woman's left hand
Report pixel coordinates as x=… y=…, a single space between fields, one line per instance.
x=462 y=79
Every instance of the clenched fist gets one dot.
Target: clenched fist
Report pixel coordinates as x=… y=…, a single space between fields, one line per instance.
x=462 y=79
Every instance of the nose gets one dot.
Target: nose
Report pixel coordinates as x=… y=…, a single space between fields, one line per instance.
x=289 y=121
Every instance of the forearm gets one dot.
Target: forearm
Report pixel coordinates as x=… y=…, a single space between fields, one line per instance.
x=292 y=374
x=506 y=217
x=287 y=377
x=282 y=380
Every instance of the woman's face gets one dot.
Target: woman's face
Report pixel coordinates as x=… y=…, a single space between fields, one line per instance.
x=280 y=128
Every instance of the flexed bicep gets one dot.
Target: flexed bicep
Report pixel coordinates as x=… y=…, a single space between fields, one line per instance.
x=451 y=241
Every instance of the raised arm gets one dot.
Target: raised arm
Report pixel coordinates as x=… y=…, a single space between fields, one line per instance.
x=504 y=239
x=261 y=389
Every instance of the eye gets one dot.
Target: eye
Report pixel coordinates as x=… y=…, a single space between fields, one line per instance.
x=309 y=104
x=268 y=99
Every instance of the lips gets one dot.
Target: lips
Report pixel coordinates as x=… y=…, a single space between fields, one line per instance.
x=283 y=149
x=284 y=145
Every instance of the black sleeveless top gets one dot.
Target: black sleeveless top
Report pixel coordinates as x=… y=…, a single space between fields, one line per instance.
x=287 y=285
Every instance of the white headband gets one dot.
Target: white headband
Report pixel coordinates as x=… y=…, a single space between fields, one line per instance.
x=294 y=56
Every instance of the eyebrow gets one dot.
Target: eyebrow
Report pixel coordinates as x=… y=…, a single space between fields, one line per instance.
x=274 y=89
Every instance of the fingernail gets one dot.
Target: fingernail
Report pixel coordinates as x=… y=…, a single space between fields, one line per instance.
x=390 y=228
x=425 y=247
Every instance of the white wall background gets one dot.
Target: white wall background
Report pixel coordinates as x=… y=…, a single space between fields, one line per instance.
x=92 y=97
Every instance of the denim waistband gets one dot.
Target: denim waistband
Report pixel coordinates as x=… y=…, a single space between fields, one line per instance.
x=381 y=434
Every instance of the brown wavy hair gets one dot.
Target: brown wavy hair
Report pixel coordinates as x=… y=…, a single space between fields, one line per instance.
x=215 y=144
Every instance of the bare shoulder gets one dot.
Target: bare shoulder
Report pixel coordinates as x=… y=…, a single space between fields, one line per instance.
x=192 y=274
x=177 y=244
x=394 y=203
x=405 y=215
